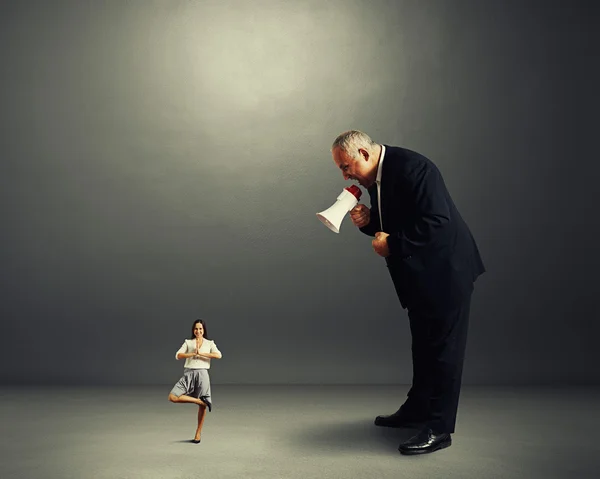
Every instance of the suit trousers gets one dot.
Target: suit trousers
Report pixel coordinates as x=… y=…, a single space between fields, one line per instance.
x=439 y=341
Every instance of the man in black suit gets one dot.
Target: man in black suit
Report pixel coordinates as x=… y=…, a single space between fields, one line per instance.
x=433 y=261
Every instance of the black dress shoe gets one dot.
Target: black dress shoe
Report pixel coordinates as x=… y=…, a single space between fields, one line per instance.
x=196 y=441
x=425 y=441
x=399 y=419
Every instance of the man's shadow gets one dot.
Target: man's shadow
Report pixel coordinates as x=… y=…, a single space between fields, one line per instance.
x=360 y=435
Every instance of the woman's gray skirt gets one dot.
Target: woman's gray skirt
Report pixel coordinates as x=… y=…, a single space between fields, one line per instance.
x=194 y=383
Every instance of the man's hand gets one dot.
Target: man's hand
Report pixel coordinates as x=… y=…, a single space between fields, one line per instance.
x=380 y=244
x=360 y=215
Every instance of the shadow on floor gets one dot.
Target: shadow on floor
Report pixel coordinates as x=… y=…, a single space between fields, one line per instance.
x=183 y=441
x=351 y=436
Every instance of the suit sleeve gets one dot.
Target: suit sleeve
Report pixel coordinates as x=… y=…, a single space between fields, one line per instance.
x=425 y=189
x=373 y=226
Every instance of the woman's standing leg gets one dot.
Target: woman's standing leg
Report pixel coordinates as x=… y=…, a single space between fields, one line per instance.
x=201 y=415
x=203 y=391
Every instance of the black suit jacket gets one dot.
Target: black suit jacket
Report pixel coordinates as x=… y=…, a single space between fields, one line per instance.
x=434 y=259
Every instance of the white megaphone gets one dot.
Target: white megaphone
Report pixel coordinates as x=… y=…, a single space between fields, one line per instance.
x=332 y=217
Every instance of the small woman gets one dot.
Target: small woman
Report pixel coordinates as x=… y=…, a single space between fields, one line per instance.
x=194 y=385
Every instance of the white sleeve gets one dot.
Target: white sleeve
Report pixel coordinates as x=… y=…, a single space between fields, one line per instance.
x=214 y=349
x=182 y=349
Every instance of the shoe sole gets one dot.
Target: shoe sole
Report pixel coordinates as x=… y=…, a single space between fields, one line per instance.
x=415 y=452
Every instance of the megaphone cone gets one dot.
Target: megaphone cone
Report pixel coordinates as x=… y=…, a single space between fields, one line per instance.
x=333 y=216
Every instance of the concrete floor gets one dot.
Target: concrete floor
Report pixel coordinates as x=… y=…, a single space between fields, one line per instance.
x=292 y=432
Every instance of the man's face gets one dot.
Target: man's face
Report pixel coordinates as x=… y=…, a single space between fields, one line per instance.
x=359 y=170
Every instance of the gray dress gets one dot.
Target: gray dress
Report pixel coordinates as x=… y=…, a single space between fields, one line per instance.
x=194 y=383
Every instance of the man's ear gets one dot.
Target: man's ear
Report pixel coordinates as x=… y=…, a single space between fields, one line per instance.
x=364 y=153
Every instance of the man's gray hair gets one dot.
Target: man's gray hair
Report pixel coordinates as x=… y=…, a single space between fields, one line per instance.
x=350 y=142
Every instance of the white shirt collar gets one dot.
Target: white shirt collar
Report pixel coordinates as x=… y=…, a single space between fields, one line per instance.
x=379 y=167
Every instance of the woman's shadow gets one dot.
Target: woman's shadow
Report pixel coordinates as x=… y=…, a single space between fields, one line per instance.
x=360 y=435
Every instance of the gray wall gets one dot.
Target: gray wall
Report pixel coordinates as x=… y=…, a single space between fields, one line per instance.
x=163 y=161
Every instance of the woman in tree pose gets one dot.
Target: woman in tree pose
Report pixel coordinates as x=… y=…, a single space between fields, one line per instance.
x=194 y=386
